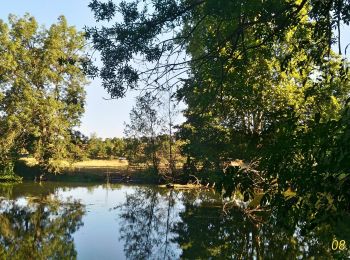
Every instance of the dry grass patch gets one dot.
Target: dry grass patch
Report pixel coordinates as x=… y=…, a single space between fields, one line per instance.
x=83 y=164
x=29 y=161
x=101 y=164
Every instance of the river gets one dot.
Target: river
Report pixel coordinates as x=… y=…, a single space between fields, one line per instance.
x=55 y=220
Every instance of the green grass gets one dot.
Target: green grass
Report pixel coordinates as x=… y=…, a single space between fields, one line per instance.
x=10 y=178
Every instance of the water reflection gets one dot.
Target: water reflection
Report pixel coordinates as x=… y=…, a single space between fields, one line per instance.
x=192 y=225
x=39 y=227
x=39 y=222
x=148 y=217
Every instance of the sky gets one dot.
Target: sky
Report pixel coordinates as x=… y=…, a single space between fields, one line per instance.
x=104 y=117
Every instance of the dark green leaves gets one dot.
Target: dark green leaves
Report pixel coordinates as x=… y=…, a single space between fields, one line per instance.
x=103 y=11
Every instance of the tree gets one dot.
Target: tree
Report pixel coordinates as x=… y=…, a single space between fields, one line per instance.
x=78 y=146
x=145 y=124
x=134 y=150
x=41 y=89
x=171 y=113
x=96 y=147
x=118 y=149
x=159 y=32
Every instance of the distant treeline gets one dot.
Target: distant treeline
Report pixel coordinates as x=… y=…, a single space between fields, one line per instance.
x=135 y=150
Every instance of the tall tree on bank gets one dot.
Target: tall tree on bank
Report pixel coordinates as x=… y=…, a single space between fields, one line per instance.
x=42 y=92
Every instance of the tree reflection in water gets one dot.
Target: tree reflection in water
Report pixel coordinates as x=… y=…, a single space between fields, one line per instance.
x=148 y=217
x=192 y=225
x=39 y=228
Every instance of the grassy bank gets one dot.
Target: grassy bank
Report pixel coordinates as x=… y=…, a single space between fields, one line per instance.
x=10 y=178
x=90 y=170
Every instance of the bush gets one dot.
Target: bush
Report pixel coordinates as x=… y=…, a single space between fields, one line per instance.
x=7 y=174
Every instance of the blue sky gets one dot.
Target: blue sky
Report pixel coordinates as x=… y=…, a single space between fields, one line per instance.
x=106 y=118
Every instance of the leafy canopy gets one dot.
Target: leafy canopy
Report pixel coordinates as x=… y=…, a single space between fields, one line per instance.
x=42 y=92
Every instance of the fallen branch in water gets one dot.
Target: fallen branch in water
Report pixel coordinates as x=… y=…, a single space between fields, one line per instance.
x=185 y=186
x=197 y=180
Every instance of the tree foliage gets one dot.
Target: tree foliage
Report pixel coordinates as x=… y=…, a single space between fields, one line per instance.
x=145 y=122
x=109 y=148
x=159 y=31
x=41 y=89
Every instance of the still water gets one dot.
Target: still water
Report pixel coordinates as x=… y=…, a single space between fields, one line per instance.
x=94 y=221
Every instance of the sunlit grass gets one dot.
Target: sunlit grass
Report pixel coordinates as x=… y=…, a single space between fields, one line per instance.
x=83 y=164
x=101 y=163
x=29 y=161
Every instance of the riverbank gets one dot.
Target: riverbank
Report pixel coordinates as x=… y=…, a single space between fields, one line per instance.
x=113 y=171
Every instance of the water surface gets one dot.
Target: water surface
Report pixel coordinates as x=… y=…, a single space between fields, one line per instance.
x=94 y=221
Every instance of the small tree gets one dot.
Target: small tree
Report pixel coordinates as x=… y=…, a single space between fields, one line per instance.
x=169 y=117
x=145 y=122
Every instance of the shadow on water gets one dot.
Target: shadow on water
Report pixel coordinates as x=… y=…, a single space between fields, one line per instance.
x=39 y=226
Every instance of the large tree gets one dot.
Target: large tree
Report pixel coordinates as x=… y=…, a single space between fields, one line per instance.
x=42 y=92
